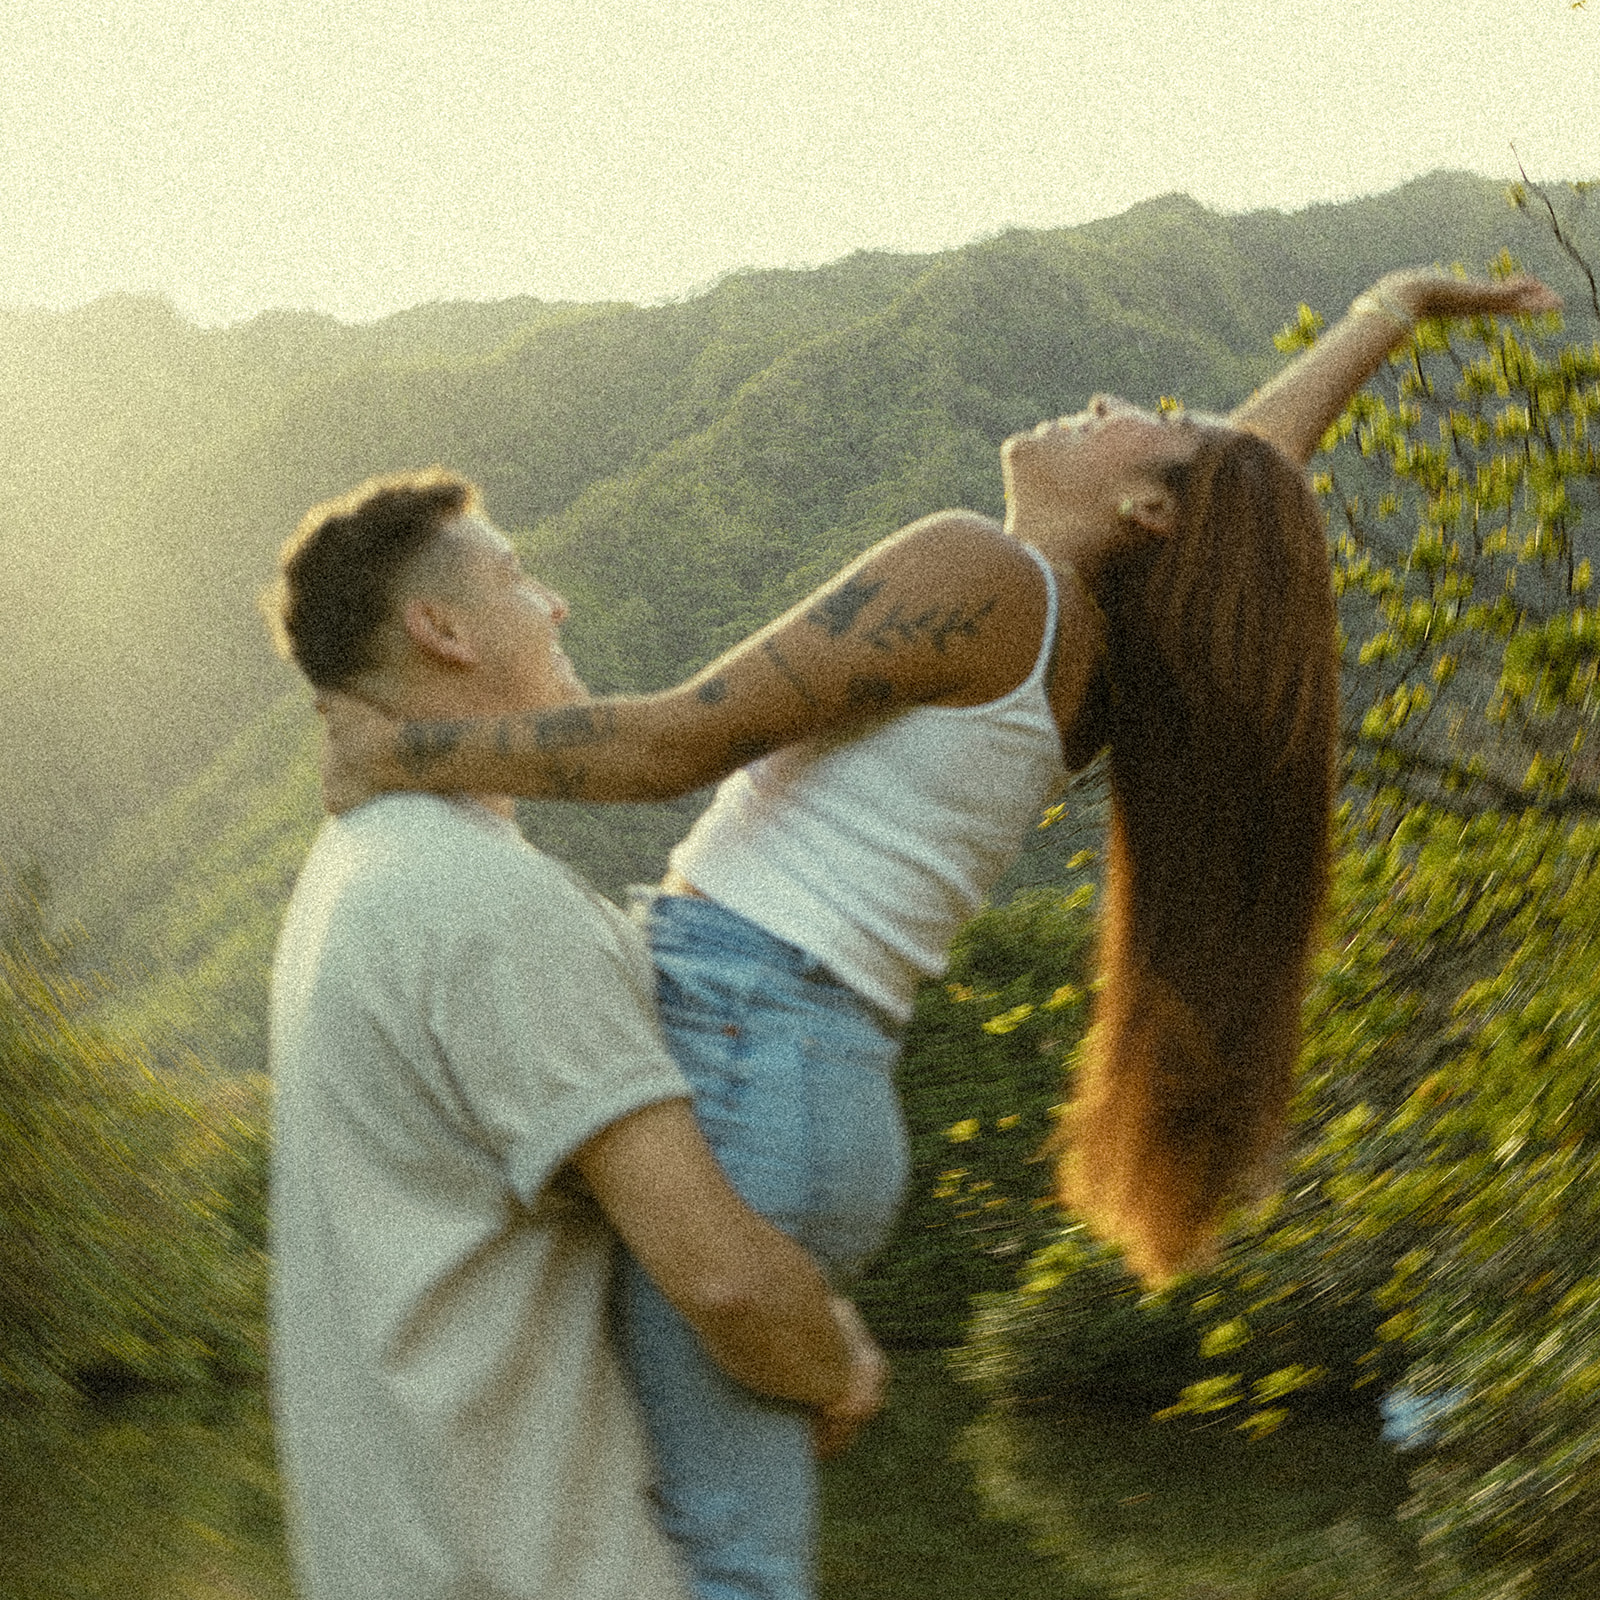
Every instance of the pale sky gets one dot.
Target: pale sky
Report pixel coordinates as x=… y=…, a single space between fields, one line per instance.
x=360 y=156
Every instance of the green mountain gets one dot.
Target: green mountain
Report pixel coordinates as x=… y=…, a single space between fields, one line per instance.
x=681 y=471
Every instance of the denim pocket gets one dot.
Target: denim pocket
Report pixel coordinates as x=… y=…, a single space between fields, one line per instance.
x=802 y=1113
x=859 y=1158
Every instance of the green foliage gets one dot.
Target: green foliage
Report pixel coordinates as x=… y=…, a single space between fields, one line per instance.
x=130 y=1202
x=1499 y=1294
x=1445 y=1172
x=1463 y=994
x=1437 y=1218
x=153 y=1497
x=1463 y=569
x=980 y=1079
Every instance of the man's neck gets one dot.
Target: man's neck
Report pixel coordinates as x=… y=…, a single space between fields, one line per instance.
x=424 y=702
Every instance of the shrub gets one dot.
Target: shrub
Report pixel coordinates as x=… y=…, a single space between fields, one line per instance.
x=979 y=1078
x=129 y=1202
x=1499 y=1298
x=1441 y=1215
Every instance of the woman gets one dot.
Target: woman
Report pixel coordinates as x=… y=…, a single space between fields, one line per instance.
x=1159 y=585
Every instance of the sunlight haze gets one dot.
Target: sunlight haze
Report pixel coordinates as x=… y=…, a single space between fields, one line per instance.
x=363 y=157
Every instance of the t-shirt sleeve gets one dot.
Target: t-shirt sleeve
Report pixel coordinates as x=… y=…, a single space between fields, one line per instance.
x=544 y=1016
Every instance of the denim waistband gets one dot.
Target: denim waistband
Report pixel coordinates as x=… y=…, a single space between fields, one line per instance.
x=714 y=928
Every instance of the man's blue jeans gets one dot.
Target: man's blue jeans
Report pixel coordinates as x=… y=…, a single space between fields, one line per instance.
x=792 y=1075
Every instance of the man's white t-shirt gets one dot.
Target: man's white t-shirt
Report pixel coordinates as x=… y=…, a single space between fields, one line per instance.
x=453 y=1015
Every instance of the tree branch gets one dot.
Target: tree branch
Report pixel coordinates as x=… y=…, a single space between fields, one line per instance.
x=1560 y=234
x=1460 y=801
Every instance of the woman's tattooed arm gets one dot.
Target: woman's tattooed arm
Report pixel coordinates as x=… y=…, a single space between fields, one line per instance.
x=949 y=611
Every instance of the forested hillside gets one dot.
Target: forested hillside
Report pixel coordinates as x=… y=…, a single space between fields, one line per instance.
x=157 y=467
x=681 y=471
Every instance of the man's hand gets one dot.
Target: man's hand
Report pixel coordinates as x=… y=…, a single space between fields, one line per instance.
x=359 y=752
x=757 y=1300
x=840 y=1421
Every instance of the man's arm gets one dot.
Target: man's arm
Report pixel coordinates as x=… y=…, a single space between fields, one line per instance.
x=1297 y=407
x=754 y=1296
x=948 y=611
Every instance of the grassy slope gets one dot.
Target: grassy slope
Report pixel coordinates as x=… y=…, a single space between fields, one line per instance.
x=166 y=1503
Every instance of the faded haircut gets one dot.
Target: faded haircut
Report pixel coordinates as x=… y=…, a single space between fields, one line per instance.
x=338 y=571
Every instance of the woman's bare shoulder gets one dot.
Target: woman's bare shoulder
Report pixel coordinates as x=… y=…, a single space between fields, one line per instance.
x=957 y=544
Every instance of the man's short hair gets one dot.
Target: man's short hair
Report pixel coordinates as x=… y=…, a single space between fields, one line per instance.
x=337 y=572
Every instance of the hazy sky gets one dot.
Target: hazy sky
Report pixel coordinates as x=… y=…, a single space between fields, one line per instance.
x=357 y=156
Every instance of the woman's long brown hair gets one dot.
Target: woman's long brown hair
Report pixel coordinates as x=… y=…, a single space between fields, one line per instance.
x=1219 y=702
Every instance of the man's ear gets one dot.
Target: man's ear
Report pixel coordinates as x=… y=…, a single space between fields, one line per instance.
x=434 y=627
x=1151 y=506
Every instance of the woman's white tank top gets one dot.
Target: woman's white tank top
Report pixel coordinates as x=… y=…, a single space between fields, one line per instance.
x=870 y=849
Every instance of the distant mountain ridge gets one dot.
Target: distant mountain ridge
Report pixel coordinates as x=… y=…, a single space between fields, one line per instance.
x=682 y=471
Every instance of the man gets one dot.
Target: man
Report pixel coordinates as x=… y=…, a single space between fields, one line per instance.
x=471 y=1094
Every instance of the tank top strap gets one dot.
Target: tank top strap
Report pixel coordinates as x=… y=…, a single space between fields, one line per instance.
x=1052 y=620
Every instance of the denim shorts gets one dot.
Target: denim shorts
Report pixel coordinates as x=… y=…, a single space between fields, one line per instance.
x=792 y=1075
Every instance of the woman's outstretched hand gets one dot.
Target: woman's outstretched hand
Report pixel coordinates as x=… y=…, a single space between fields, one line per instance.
x=360 y=747
x=1421 y=292
x=1295 y=409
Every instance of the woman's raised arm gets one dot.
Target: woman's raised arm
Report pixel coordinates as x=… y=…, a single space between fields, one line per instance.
x=1296 y=408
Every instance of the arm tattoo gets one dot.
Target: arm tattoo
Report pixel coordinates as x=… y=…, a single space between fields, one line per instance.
x=712 y=692
x=788 y=674
x=837 y=612
x=572 y=727
x=745 y=750
x=568 y=783
x=937 y=626
x=424 y=743
x=865 y=693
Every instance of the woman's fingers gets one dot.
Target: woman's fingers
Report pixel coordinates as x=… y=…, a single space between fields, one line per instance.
x=1437 y=294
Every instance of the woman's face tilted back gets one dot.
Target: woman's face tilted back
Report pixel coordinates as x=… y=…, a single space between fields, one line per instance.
x=1078 y=487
